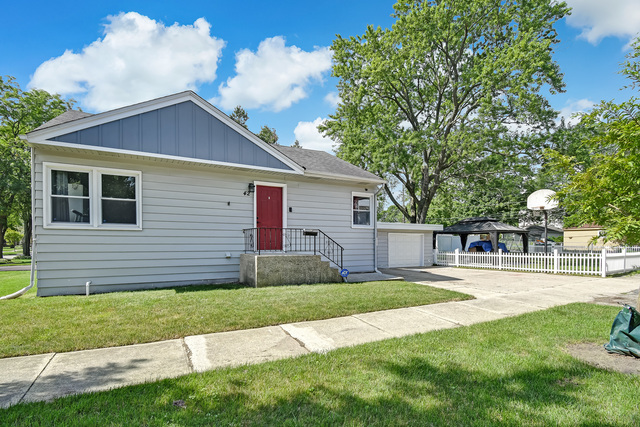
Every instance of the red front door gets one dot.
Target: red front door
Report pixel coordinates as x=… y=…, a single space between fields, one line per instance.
x=269 y=217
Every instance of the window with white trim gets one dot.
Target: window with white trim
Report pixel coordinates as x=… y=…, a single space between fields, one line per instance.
x=362 y=204
x=77 y=196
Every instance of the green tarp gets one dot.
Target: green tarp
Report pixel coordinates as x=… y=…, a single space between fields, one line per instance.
x=625 y=333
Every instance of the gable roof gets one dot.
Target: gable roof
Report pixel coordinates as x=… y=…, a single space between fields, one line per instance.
x=67 y=116
x=322 y=164
x=189 y=118
x=179 y=127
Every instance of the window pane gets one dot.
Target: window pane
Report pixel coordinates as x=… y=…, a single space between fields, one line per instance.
x=361 y=203
x=119 y=187
x=361 y=218
x=118 y=212
x=70 y=183
x=67 y=209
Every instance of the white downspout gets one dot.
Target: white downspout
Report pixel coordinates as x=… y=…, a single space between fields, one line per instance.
x=375 y=229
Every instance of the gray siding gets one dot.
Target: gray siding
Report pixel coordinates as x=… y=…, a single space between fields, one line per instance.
x=329 y=207
x=191 y=217
x=383 y=247
x=184 y=130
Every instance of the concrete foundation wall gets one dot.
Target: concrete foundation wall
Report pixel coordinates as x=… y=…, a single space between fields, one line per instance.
x=277 y=270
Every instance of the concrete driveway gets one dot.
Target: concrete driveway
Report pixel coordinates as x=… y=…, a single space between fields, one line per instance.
x=484 y=284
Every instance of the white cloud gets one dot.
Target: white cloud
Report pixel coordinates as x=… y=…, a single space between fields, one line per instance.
x=274 y=77
x=574 y=107
x=137 y=59
x=601 y=18
x=333 y=99
x=309 y=137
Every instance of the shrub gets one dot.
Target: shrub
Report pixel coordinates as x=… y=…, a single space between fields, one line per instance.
x=13 y=237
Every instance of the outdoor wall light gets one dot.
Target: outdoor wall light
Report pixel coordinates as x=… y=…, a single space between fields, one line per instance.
x=250 y=189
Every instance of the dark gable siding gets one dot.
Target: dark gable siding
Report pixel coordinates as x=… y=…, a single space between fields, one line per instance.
x=184 y=130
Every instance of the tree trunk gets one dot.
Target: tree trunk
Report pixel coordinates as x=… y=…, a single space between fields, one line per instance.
x=26 y=245
x=3 y=229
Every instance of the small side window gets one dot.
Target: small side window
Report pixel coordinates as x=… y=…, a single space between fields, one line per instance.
x=362 y=205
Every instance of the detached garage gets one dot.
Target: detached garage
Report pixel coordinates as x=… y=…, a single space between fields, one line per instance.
x=405 y=245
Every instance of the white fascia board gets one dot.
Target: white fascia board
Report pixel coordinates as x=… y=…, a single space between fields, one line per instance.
x=90 y=148
x=43 y=135
x=399 y=226
x=345 y=177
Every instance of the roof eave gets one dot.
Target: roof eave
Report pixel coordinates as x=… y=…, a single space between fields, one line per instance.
x=341 y=177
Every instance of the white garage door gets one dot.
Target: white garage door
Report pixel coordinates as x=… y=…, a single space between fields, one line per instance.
x=406 y=250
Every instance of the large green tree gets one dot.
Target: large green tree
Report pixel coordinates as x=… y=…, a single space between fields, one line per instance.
x=443 y=88
x=20 y=112
x=603 y=185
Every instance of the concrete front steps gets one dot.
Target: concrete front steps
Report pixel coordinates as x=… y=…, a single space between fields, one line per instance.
x=285 y=269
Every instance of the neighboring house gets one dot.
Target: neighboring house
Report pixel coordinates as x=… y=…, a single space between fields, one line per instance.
x=536 y=232
x=583 y=236
x=158 y=194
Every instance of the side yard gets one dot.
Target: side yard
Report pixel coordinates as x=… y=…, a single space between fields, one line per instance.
x=31 y=325
x=514 y=371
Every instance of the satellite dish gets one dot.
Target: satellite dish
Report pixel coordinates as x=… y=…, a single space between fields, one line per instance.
x=542 y=200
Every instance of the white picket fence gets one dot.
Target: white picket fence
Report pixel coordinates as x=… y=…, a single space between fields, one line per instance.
x=601 y=263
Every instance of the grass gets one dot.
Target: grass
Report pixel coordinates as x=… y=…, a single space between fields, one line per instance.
x=31 y=325
x=6 y=250
x=15 y=261
x=12 y=281
x=507 y=372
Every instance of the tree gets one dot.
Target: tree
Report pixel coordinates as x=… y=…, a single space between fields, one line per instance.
x=444 y=87
x=296 y=144
x=20 y=112
x=603 y=185
x=240 y=116
x=268 y=135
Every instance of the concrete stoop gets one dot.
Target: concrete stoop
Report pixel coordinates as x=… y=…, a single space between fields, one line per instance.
x=284 y=269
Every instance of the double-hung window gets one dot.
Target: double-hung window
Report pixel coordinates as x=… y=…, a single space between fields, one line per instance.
x=362 y=204
x=85 y=197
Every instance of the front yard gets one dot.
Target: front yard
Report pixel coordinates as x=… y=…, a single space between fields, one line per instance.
x=31 y=325
x=514 y=371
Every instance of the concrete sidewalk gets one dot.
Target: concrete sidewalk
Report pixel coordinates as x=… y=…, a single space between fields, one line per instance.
x=499 y=294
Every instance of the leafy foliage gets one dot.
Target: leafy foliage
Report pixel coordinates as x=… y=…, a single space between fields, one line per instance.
x=443 y=89
x=603 y=184
x=20 y=112
x=240 y=116
x=13 y=237
x=268 y=135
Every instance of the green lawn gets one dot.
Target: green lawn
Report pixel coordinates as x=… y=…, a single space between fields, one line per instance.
x=31 y=325
x=508 y=372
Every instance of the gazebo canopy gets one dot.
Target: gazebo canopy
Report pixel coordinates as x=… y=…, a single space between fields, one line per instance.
x=485 y=225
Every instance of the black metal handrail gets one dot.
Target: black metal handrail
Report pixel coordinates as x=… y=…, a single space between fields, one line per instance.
x=273 y=239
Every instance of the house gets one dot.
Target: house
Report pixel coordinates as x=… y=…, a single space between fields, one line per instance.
x=158 y=194
x=583 y=236
x=536 y=232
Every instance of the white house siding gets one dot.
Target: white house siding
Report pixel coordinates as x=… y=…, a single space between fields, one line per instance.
x=383 y=246
x=191 y=217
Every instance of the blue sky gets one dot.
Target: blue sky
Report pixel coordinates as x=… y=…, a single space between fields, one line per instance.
x=270 y=57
